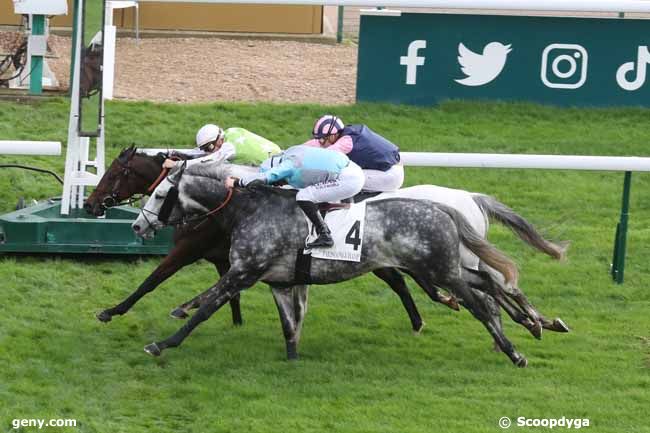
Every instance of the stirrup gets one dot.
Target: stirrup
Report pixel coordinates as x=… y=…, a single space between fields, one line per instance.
x=324 y=240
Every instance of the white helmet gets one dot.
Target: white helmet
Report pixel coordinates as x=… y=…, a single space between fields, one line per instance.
x=208 y=134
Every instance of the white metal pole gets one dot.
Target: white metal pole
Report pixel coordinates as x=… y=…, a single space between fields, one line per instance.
x=553 y=162
x=72 y=150
x=30 y=148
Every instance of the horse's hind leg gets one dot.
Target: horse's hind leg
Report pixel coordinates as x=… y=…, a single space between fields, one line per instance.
x=181 y=255
x=181 y=312
x=556 y=325
x=396 y=282
x=479 y=310
x=292 y=307
x=433 y=293
x=482 y=281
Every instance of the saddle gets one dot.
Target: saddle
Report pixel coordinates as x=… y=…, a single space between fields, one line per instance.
x=345 y=204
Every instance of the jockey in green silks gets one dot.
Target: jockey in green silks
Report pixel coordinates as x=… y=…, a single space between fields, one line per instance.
x=235 y=145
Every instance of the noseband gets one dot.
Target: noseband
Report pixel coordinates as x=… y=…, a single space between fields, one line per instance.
x=168 y=204
x=113 y=199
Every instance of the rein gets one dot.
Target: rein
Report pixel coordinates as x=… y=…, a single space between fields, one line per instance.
x=159 y=179
x=204 y=216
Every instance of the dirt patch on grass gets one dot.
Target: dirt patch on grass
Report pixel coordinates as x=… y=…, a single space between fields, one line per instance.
x=210 y=69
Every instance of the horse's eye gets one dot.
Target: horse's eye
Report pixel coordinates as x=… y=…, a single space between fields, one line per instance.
x=159 y=196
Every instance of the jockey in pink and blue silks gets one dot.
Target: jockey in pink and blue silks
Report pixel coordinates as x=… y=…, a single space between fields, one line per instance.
x=320 y=175
x=378 y=158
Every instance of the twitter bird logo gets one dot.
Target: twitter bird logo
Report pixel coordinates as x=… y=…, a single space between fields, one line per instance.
x=482 y=68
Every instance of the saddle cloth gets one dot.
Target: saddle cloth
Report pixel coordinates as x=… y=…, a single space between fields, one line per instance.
x=347 y=226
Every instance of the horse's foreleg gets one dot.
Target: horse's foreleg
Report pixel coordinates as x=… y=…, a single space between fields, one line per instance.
x=181 y=255
x=396 y=282
x=181 y=312
x=292 y=305
x=217 y=296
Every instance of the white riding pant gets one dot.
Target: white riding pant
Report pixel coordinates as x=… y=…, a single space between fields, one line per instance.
x=349 y=183
x=389 y=180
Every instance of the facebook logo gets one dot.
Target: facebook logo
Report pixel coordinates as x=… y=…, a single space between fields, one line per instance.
x=411 y=60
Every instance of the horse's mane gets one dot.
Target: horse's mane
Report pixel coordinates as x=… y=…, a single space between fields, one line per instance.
x=220 y=170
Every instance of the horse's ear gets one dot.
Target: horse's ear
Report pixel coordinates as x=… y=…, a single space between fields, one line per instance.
x=132 y=150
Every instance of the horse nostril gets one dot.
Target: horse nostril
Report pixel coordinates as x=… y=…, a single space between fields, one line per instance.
x=136 y=228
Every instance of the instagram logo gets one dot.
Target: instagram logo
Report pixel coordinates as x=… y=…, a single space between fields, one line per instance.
x=564 y=66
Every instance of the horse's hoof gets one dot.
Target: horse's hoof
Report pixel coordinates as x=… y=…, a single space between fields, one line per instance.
x=522 y=362
x=560 y=326
x=418 y=330
x=152 y=349
x=292 y=351
x=179 y=313
x=237 y=323
x=104 y=316
x=536 y=330
x=453 y=304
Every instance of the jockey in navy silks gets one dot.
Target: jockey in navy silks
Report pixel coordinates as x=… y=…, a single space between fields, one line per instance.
x=320 y=175
x=378 y=157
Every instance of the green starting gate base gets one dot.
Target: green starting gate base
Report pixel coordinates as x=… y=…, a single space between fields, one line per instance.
x=42 y=229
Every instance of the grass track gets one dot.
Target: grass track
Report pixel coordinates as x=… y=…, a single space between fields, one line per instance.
x=361 y=369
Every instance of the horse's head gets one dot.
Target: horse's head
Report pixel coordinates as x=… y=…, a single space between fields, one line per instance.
x=129 y=174
x=90 y=80
x=162 y=207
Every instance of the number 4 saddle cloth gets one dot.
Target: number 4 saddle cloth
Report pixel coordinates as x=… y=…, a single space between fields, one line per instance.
x=346 y=225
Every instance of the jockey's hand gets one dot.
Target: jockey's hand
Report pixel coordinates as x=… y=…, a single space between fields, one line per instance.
x=231 y=182
x=169 y=164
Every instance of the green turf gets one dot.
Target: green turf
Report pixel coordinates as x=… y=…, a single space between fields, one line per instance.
x=361 y=369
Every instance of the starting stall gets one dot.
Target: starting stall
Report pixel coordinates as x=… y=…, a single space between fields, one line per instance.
x=61 y=225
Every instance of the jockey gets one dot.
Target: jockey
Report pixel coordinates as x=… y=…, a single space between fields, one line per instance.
x=320 y=175
x=378 y=157
x=236 y=145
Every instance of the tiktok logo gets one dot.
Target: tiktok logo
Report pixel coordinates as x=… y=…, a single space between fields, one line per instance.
x=643 y=58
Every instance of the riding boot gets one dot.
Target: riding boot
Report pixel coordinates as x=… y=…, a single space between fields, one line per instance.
x=324 y=239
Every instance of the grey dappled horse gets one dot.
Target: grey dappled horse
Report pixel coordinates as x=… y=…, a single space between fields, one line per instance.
x=267 y=230
x=134 y=172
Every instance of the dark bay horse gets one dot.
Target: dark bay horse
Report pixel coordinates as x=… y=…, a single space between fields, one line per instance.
x=267 y=231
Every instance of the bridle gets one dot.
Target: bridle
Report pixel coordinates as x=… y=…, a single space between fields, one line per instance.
x=184 y=220
x=112 y=199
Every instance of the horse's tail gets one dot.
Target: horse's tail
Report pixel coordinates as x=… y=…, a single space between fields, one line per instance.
x=487 y=252
x=522 y=228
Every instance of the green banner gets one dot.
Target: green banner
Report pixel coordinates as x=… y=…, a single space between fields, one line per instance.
x=426 y=58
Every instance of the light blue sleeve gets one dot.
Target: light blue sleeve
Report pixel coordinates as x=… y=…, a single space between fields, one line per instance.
x=282 y=171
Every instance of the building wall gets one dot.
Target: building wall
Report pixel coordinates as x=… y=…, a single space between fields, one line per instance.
x=203 y=17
